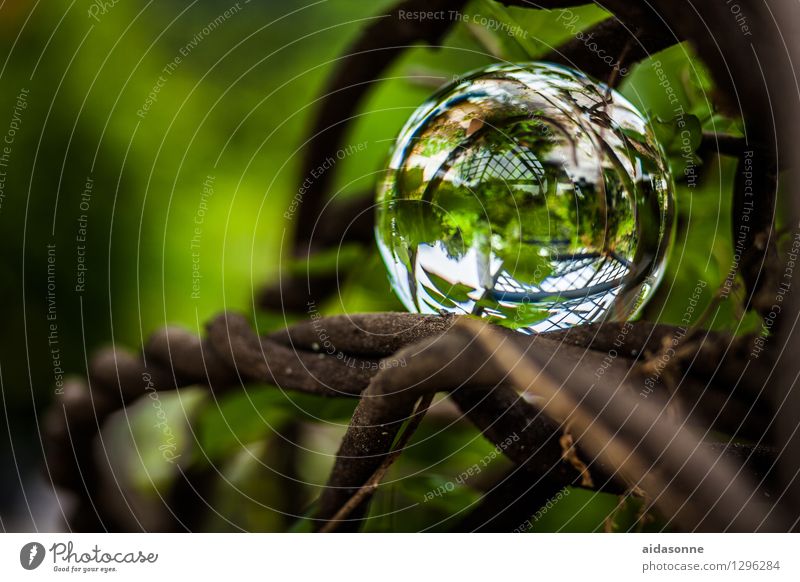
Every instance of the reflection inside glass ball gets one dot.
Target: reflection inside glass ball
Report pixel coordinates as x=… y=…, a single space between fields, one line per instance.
x=528 y=194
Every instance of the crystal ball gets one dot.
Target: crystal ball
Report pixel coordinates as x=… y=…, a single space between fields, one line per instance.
x=529 y=194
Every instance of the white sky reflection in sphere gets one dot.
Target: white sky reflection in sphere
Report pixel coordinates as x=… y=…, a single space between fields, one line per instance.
x=528 y=194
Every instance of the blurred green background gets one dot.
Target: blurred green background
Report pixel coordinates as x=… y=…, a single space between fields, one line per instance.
x=233 y=113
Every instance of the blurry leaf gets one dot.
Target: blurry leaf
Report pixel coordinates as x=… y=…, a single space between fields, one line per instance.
x=306 y=523
x=337 y=259
x=679 y=135
x=230 y=423
x=150 y=439
x=671 y=83
x=536 y=32
x=578 y=511
x=457 y=292
x=438 y=492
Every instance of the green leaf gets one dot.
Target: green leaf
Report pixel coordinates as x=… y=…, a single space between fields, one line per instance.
x=520 y=316
x=680 y=135
x=457 y=292
x=439 y=492
x=336 y=259
x=237 y=420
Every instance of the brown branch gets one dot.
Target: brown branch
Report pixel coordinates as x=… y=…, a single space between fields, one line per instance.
x=434 y=359
x=366 y=490
x=633 y=34
x=500 y=413
x=263 y=360
x=628 y=340
x=369 y=335
x=228 y=356
x=648 y=450
x=453 y=362
x=385 y=404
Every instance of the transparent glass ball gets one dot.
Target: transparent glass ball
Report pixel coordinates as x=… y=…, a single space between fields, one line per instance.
x=528 y=194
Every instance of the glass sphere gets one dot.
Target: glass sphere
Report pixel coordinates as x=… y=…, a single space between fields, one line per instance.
x=528 y=194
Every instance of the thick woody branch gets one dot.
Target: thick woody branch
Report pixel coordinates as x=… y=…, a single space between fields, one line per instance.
x=638 y=439
x=452 y=363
